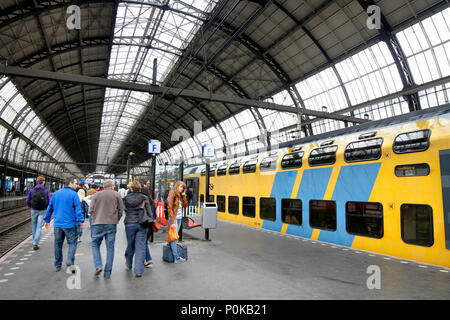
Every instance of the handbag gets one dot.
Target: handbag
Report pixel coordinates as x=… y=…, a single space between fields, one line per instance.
x=144 y=219
x=156 y=226
x=172 y=235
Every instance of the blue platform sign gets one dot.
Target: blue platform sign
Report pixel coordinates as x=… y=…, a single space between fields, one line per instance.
x=154 y=146
x=208 y=151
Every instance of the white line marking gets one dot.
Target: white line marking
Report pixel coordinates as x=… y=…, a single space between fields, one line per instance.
x=23 y=259
x=425 y=267
x=20 y=262
x=404 y=262
x=387 y=258
x=14 y=268
x=3 y=280
x=9 y=274
x=445 y=271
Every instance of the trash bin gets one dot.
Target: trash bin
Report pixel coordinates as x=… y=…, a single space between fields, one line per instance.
x=209 y=215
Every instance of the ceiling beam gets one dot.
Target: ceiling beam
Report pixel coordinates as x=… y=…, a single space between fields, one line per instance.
x=165 y=92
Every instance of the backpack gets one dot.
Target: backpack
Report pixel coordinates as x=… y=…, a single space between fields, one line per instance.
x=39 y=200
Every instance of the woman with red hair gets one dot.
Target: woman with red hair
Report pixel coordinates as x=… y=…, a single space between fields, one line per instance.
x=176 y=202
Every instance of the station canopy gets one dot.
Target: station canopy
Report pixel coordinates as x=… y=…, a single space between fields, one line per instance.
x=359 y=58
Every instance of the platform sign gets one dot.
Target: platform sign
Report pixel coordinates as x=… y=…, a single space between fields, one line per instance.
x=154 y=146
x=208 y=151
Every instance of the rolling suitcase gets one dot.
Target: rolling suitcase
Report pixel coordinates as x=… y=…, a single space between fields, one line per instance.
x=167 y=252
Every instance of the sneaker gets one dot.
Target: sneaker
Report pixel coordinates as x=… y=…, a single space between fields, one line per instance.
x=148 y=264
x=138 y=275
x=35 y=247
x=180 y=260
x=127 y=267
x=79 y=239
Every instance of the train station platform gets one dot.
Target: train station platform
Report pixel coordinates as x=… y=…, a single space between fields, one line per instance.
x=12 y=202
x=239 y=262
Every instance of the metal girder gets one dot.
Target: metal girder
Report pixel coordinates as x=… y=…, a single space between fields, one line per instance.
x=61 y=48
x=86 y=164
x=398 y=55
x=24 y=138
x=272 y=65
x=165 y=92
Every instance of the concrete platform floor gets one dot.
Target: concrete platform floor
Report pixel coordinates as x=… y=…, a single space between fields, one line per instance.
x=238 y=263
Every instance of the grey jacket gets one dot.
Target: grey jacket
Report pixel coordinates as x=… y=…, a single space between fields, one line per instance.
x=133 y=202
x=106 y=207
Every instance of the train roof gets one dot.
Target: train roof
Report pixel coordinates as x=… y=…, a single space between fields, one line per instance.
x=434 y=112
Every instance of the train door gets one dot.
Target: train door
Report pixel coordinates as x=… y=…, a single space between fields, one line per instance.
x=192 y=185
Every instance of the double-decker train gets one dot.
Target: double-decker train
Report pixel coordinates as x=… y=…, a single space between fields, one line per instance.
x=382 y=187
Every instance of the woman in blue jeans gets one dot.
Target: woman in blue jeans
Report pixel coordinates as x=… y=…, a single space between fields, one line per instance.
x=136 y=234
x=176 y=203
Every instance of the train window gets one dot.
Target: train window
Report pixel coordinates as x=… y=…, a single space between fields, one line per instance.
x=323 y=156
x=233 y=205
x=212 y=170
x=322 y=214
x=291 y=211
x=211 y=198
x=202 y=198
x=415 y=141
x=412 y=170
x=267 y=209
x=222 y=170
x=367 y=135
x=248 y=207
x=268 y=164
x=327 y=143
x=417 y=224
x=364 y=219
x=234 y=168
x=296 y=148
x=221 y=203
x=363 y=150
x=203 y=173
x=292 y=160
x=249 y=166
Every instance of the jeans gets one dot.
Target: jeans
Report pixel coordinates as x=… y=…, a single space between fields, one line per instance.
x=136 y=239
x=148 y=255
x=91 y=226
x=72 y=236
x=173 y=244
x=107 y=231
x=79 y=230
x=37 y=221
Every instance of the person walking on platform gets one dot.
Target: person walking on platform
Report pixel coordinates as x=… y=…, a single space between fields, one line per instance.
x=136 y=234
x=106 y=209
x=148 y=257
x=81 y=191
x=38 y=200
x=85 y=206
x=176 y=203
x=66 y=208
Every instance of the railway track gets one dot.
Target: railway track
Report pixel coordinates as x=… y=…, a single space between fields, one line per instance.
x=15 y=227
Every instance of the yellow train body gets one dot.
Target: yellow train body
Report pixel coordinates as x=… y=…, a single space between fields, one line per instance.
x=372 y=182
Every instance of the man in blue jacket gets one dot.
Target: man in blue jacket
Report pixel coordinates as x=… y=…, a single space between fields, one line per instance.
x=66 y=208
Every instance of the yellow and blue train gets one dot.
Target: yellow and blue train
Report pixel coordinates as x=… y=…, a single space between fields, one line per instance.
x=382 y=187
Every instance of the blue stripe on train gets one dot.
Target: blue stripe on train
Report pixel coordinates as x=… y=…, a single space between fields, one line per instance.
x=281 y=188
x=355 y=183
x=313 y=186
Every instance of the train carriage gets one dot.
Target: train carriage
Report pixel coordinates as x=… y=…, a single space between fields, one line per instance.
x=381 y=187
